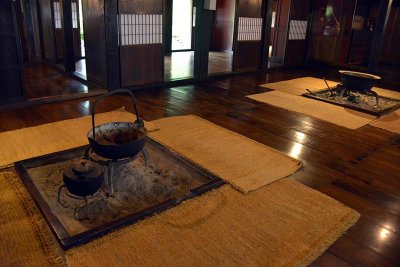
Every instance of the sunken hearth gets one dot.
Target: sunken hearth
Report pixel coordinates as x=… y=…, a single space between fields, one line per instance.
x=155 y=180
x=355 y=92
x=367 y=102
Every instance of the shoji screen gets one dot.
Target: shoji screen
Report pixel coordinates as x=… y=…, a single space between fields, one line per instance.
x=248 y=41
x=141 y=41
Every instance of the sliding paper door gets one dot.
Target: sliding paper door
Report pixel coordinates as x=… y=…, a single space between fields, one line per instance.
x=141 y=42
x=248 y=35
x=47 y=29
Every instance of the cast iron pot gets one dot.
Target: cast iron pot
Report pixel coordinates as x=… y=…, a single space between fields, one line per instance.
x=358 y=81
x=83 y=178
x=117 y=140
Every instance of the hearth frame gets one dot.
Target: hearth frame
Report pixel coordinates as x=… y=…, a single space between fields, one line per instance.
x=65 y=240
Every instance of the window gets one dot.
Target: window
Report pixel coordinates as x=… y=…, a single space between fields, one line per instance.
x=57 y=15
x=74 y=15
x=249 y=29
x=137 y=29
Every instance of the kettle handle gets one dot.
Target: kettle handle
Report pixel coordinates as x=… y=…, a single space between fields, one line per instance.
x=138 y=121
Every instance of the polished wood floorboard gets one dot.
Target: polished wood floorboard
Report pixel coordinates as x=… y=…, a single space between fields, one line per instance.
x=360 y=168
x=41 y=80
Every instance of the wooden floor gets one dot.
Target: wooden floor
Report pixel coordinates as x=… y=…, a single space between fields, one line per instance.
x=180 y=65
x=43 y=80
x=360 y=168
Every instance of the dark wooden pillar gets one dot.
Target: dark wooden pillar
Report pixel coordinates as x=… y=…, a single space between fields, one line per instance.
x=11 y=86
x=168 y=26
x=267 y=9
x=30 y=33
x=112 y=49
x=379 y=34
x=204 y=22
x=95 y=44
x=69 y=63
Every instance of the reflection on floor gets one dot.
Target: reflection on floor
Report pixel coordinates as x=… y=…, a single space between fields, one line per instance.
x=219 y=62
x=42 y=80
x=179 y=65
x=80 y=67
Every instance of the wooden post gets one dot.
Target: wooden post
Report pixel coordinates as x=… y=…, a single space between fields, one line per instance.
x=168 y=26
x=68 y=35
x=112 y=48
x=27 y=4
x=267 y=9
x=379 y=34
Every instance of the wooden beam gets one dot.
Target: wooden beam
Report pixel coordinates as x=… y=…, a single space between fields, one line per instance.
x=379 y=34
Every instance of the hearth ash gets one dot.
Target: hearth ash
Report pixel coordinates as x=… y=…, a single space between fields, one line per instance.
x=137 y=185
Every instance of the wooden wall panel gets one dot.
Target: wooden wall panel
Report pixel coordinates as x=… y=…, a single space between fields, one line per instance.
x=391 y=45
x=248 y=47
x=249 y=8
x=47 y=30
x=141 y=65
x=141 y=6
x=95 y=46
x=295 y=52
x=142 y=53
x=249 y=55
x=223 y=26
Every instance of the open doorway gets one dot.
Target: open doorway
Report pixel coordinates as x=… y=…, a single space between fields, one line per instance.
x=179 y=63
x=79 y=40
x=221 y=46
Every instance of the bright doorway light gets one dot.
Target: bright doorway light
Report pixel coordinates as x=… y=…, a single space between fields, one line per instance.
x=182 y=24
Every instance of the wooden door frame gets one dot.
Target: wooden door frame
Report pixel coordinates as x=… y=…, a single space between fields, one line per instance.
x=266 y=34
